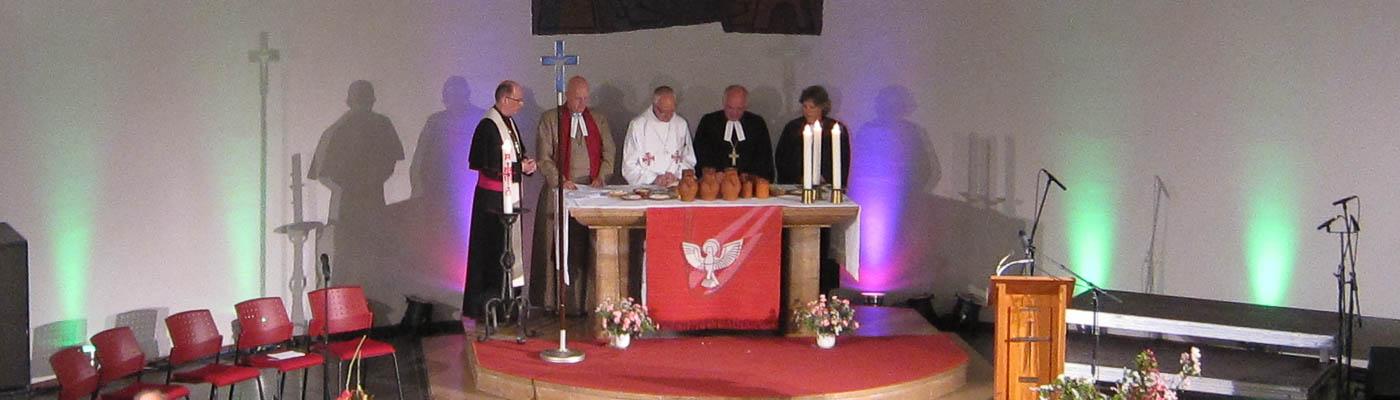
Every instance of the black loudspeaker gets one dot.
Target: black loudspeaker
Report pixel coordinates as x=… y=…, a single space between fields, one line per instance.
x=14 y=310
x=1383 y=373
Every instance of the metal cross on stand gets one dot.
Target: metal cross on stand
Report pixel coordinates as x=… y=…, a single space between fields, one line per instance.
x=561 y=355
x=263 y=56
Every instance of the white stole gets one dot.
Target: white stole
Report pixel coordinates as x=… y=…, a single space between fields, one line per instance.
x=510 y=189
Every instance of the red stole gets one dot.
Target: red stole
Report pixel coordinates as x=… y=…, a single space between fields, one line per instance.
x=593 y=140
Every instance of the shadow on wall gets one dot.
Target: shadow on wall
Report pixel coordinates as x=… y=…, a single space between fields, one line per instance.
x=52 y=337
x=416 y=247
x=354 y=158
x=143 y=324
x=913 y=240
x=434 y=223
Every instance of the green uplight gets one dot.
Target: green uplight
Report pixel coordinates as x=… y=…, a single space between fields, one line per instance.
x=1090 y=212
x=230 y=122
x=1271 y=230
x=66 y=115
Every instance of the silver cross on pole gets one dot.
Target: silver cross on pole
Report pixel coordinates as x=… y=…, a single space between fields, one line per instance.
x=561 y=355
x=559 y=61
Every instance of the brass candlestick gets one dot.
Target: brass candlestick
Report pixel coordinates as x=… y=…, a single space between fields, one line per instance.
x=838 y=196
x=809 y=196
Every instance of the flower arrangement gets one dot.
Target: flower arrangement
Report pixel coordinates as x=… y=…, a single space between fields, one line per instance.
x=832 y=316
x=625 y=317
x=1142 y=381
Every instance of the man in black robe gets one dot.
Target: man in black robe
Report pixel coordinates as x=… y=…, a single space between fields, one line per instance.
x=734 y=137
x=488 y=232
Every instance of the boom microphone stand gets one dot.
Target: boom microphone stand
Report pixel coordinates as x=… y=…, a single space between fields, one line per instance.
x=1348 y=291
x=1029 y=241
x=1094 y=292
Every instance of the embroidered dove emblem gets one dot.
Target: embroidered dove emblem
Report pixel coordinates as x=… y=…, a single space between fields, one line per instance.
x=710 y=258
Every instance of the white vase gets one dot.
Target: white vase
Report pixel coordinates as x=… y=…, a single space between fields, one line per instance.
x=622 y=341
x=826 y=340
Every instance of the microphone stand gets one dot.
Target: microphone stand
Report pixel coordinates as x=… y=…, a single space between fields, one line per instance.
x=1094 y=291
x=1348 y=292
x=326 y=327
x=1030 y=241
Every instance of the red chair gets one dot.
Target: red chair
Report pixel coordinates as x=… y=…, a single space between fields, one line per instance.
x=77 y=376
x=348 y=312
x=263 y=323
x=195 y=337
x=119 y=356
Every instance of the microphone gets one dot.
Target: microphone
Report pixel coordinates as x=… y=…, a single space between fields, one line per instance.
x=1355 y=226
x=1327 y=225
x=1345 y=200
x=1053 y=180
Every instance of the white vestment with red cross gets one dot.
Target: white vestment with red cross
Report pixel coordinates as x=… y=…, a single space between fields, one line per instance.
x=655 y=147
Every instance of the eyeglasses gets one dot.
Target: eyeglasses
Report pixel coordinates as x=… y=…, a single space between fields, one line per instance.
x=520 y=100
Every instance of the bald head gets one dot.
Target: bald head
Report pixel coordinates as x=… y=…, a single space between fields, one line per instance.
x=510 y=98
x=736 y=102
x=663 y=103
x=576 y=94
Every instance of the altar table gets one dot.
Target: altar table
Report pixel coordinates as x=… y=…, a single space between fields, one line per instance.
x=610 y=218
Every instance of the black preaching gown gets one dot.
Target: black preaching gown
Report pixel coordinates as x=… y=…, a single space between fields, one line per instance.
x=755 y=151
x=788 y=160
x=488 y=240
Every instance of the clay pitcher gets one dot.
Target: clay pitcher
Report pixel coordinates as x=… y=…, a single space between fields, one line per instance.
x=709 y=185
x=689 y=186
x=730 y=186
x=761 y=187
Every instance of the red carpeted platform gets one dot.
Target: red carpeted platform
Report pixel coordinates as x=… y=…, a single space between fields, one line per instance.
x=904 y=366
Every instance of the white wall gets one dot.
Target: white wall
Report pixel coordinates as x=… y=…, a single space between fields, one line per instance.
x=130 y=129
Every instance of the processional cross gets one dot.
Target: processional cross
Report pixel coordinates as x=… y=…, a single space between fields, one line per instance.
x=561 y=355
x=559 y=61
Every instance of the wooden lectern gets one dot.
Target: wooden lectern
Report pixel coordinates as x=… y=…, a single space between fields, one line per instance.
x=1030 y=332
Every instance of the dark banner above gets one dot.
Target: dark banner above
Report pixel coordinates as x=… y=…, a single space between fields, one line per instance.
x=799 y=17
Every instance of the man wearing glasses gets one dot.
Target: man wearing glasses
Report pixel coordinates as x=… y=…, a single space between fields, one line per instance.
x=498 y=156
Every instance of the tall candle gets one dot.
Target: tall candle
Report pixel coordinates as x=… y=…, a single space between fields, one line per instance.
x=807 y=156
x=507 y=179
x=836 y=156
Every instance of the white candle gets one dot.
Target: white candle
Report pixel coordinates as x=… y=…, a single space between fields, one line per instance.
x=836 y=156
x=507 y=179
x=562 y=334
x=807 y=156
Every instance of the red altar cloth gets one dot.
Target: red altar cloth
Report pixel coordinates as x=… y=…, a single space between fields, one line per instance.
x=714 y=267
